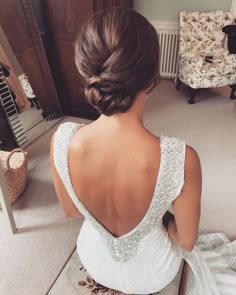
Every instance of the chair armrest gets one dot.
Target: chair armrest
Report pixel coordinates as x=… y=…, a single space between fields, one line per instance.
x=226 y=56
x=193 y=57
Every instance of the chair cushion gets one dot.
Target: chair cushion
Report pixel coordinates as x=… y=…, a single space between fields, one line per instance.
x=219 y=73
x=218 y=68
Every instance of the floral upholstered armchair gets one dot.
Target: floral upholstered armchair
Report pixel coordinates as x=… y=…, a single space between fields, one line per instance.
x=203 y=60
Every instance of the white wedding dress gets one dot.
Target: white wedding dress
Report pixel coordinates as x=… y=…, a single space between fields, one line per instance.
x=146 y=260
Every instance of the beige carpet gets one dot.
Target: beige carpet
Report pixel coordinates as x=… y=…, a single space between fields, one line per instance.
x=210 y=127
x=32 y=259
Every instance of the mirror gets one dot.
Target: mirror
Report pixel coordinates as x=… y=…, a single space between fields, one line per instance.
x=17 y=98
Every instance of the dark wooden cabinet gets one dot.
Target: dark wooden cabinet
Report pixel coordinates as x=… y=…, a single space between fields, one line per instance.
x=101 y=4
x=52 y=73
x=63 y=20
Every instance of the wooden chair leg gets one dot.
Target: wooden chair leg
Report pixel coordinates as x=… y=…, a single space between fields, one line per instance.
x=36 y=102
x=184 y=279
x=192 y=95
x=233 y=89
x=178 y=84
x=31 y=102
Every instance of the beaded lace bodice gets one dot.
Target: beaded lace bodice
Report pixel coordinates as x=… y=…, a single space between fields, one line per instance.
x=168 y=186
x=146 y=260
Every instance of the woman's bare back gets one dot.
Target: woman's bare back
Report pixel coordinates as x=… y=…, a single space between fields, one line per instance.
x=114 y=172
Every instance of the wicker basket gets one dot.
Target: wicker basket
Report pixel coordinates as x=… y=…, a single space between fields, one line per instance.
x=14 y=166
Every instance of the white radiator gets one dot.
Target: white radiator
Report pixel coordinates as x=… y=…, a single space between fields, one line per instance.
x=168 y=33
x=169 y=51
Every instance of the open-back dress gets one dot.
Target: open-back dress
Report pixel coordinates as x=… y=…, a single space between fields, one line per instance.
x=146 y=260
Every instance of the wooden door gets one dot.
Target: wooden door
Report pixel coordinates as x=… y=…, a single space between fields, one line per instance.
x=63 y=20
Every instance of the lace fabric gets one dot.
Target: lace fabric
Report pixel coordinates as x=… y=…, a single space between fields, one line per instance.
x=145 y=260
x=170 y=180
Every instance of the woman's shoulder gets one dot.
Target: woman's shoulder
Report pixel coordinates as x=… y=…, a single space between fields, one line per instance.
x=192 y=160
x=177 y=144
x=172 y=144
x=65 y=127
x=64 y=133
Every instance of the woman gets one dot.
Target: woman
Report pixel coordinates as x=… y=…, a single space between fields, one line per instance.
x=123 y=179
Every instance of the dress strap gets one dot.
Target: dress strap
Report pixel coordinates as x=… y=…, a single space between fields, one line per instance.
x=62 y=140
x=173 y=160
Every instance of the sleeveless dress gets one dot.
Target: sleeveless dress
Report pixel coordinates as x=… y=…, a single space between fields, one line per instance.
x=146 y=260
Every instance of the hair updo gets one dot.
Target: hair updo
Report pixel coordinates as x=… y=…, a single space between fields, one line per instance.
x=117 y=54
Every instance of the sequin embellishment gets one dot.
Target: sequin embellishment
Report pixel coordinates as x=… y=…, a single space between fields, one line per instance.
x=170 y=178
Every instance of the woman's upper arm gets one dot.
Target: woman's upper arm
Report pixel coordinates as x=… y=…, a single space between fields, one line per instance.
x=187 y=206
x=65 y=200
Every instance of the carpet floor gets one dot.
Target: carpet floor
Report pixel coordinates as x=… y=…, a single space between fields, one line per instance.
x=34 y=260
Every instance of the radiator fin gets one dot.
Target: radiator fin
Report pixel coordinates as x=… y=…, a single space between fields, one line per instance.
x=168 y=41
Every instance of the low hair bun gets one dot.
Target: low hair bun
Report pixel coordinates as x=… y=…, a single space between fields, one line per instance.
x=94 y=80
x=92 y=95
x=117 y=55
x=107 y=103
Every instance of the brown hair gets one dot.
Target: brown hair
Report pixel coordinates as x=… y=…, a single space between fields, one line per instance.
x=117 y=54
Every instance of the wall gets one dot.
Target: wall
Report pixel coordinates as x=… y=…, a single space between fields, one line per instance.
x=169 y=9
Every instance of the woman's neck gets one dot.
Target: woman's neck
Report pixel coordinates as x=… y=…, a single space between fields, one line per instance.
x=133 y=116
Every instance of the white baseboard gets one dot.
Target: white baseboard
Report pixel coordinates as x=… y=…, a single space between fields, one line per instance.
x=165 y=25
